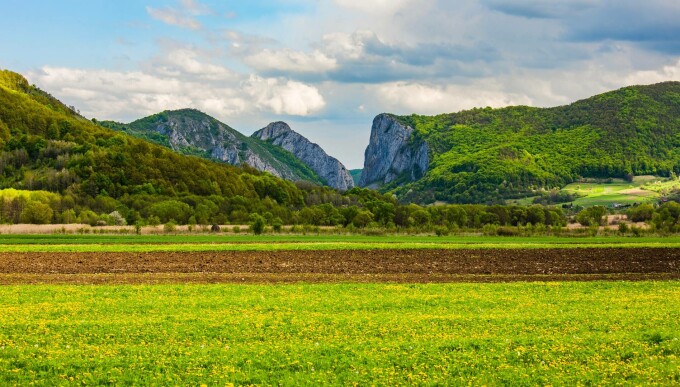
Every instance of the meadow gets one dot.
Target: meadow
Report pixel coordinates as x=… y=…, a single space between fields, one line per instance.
x=383 y=334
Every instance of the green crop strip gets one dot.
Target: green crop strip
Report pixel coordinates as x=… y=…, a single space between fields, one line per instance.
x=95 y=243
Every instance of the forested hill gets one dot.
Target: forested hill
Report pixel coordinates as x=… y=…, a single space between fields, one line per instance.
x=485 y=155
x=192 y=132
x=44 y=145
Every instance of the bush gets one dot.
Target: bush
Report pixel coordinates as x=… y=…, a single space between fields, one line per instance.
x=236 y=229
x=637 y=231
x=257 y=223
x=277 y=225
x=507 y=231
x=117 y=219
x=441 y=231
x=641 y=213
x=170 y=226
x=138 y=227
x=154 y=221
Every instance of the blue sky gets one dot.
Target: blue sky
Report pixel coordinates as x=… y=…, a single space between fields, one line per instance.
x=327 y=67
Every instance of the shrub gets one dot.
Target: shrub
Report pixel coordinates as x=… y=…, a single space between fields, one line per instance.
x=138 y=227
x=641 y=213
x=170 y=226
x=277 y=224
x=441 y=231
x=154 y=221
x=257 y=223
x=507 y=231
x=236 y=229
x=117 y=219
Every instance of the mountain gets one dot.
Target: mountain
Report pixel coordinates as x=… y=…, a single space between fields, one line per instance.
x=328 y=168
x=393 y=153
x=45 y=145
x=488 y=155
x=356 y=175
x=192 y=132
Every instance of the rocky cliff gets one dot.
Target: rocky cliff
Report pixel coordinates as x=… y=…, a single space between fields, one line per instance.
x=393 y=153
x=192 y=132
x=328 y=168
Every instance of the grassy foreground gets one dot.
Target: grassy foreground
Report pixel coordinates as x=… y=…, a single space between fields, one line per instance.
x=189 y=243
x=517 y=334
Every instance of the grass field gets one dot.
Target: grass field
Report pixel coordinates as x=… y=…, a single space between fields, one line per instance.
x=193 y=243
x=517 y=334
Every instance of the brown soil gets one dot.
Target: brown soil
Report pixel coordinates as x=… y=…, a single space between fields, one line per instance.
x=342 y=265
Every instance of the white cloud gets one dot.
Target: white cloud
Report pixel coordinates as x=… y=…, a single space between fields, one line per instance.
x=374 y=6
x=195 y=7
x=434 y=99
x=187 y=61
x=284 y=97
x=174 y=17
x=291 y=61
x=666 y=73
x=348 y=46
x=124 y=96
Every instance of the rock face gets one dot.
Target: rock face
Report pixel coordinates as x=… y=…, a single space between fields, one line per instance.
x=328 y=168
x=192 y=132
x=392 y=153
x=191 y=129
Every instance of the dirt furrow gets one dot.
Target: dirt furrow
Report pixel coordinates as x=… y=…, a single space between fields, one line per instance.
x=353 y=265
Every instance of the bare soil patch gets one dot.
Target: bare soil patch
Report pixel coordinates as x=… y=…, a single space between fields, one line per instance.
x=342 y=265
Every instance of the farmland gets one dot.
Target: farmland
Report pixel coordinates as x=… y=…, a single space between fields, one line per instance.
x=333 y=309
x=642 y=189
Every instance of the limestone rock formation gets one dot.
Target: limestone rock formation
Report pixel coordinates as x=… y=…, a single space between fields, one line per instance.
x=328 y=168
x=392 y=154
x=190 y=131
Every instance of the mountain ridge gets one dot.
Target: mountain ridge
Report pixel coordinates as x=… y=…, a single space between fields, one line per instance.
x=47 y=146
x=328 y=168
x=192 y=132
x=488 y=155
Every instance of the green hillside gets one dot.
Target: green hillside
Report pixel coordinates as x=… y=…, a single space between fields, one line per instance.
x=45 y=146
x=201 y=133
x=356 y=175
x=487 y=155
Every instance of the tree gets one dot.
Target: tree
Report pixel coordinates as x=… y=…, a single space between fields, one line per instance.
x=171 y=209
x=363 y=218
x=257 y=223
x=36 y=213
x=117 y=219
x=593 y=216
x=68 y=216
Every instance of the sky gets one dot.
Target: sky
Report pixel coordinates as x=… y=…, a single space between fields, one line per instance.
x=328 y=67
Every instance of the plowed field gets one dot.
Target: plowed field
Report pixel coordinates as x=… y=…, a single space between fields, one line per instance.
x=342 y=265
